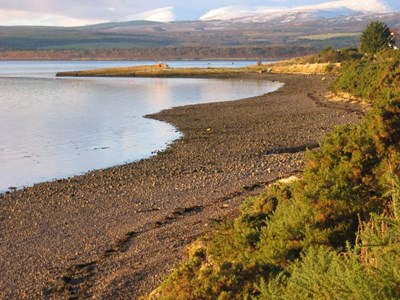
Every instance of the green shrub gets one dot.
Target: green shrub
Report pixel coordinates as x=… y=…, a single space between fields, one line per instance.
x=371 y=79
x=369 y=270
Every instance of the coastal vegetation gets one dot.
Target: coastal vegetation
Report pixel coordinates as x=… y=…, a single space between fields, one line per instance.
x=334 y=232
x=373 y=78
x=156 y=70
x=163 y=70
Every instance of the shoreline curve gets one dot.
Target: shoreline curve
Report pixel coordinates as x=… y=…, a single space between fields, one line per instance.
x=114 y=232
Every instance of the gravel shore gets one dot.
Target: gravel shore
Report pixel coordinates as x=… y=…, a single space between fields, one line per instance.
x=113 y=233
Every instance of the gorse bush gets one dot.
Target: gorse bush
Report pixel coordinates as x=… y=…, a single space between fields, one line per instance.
x=332 y=234
x=331 y=55
x=371 y=79
x=368 y=270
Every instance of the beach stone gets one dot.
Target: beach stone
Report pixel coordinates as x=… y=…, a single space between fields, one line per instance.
x=53 y=230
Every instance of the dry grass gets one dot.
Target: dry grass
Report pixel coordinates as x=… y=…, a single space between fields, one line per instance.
x=330 y=35
x=155 y=71
x=292 y=66
x=339 y=96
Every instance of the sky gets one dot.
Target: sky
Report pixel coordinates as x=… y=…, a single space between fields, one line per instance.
x=84 y=12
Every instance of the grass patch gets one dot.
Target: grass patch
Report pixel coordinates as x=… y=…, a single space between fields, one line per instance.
x=162 y=71
x=327 y=36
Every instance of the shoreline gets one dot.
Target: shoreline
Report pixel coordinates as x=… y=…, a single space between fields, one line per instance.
x=116 y=231
x=244 y=88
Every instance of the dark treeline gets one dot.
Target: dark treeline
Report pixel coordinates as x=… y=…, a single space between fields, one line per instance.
x=162 y=53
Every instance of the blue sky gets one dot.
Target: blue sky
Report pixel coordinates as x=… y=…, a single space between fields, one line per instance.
x=82 y=12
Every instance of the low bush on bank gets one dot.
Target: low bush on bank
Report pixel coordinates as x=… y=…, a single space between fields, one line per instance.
x=327 y=61
x=334 y=233
x=328 y=55
x=371 y=78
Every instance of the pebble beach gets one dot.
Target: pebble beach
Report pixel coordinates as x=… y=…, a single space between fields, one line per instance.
x=114 y=233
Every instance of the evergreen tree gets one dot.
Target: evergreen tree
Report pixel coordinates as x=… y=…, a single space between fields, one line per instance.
x=375 y=37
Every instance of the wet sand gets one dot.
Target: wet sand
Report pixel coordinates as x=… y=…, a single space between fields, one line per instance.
x=113 y=233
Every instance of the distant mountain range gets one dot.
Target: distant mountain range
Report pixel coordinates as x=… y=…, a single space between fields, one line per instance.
x=306 y=15
x=327 y=9
x=286 y=30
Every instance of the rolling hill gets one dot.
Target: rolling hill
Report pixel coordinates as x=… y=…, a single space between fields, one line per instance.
x=278 y=35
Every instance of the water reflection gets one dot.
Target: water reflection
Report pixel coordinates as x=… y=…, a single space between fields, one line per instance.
x=57 y=128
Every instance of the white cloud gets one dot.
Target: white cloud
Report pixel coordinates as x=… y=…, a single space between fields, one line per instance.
x=165 y=14
x=19 y=17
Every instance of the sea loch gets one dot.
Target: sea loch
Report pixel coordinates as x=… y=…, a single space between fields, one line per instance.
x=54 y=128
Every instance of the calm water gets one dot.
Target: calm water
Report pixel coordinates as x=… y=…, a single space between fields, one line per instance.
x=49 y=68
x=54 y=128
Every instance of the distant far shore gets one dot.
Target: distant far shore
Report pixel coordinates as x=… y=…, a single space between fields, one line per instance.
x=161 y=70
x=123 y=59
x=160 y=53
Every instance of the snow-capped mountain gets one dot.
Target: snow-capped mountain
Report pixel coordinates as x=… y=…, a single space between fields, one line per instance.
x=302 y=15
x=330 y=9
